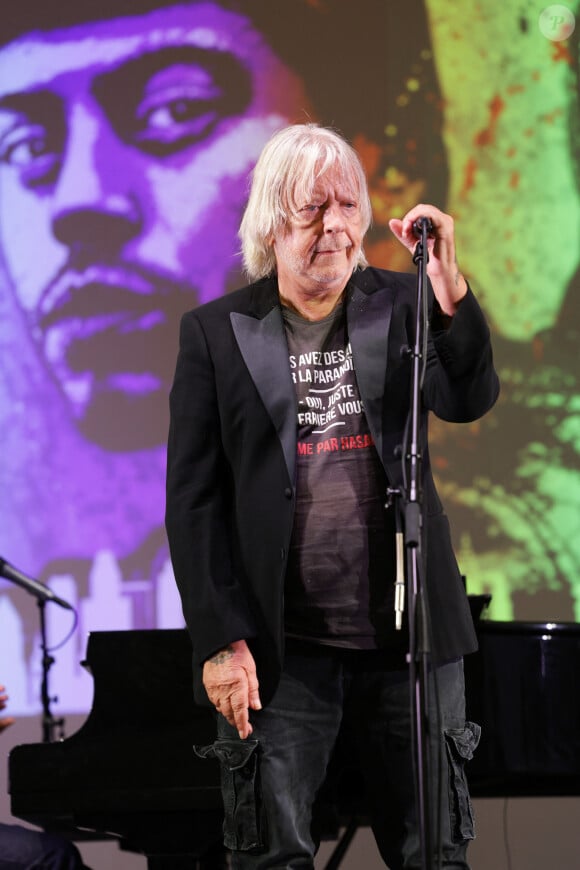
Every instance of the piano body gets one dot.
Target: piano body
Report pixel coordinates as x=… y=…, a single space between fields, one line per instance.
x=130 y=772
x=523 y=687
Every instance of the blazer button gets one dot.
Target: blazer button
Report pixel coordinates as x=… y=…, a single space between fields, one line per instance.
x=288 y=492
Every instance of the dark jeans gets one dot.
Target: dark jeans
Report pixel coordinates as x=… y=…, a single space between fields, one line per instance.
x=270 y=781
x=25 y=849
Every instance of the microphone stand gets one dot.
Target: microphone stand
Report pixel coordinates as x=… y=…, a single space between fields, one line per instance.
x=42 y=594
x=419 y=641
x=49 y=723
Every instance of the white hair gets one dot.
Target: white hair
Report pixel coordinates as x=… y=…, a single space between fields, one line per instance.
x=285 y=174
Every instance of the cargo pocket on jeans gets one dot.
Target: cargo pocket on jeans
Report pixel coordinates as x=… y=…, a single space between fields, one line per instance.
x=240 y=783
x=460 y=744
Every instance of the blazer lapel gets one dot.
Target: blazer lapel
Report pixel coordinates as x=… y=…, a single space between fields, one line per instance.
x=369 y=319
x=262 y=342
x=263 y=346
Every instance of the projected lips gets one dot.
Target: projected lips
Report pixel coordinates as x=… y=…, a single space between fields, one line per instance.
x=106 y=334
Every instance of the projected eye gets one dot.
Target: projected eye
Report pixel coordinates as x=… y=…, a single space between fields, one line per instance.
x=170 y=123
x=172 y=114
x=29 y=150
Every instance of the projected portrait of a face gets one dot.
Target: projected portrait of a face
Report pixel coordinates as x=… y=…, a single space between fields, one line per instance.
x=126 y=145
x=128 y=132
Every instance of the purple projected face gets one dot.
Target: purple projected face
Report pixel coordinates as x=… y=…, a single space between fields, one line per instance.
x=125 y=147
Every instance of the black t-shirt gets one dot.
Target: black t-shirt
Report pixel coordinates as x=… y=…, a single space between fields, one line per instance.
x=341 y=568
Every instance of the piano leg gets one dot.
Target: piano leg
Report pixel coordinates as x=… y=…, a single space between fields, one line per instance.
x=188 y=840
x=342 y=846
x=214 y=859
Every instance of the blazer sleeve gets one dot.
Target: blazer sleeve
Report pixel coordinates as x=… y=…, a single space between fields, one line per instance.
x=199 y=503
x=461 y=383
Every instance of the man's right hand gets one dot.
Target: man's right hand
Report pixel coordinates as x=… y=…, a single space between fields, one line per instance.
x=231 y=683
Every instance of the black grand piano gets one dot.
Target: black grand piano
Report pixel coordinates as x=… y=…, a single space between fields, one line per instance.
x=129 y=772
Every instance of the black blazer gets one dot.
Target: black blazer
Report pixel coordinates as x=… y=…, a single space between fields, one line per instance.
x=232 y=448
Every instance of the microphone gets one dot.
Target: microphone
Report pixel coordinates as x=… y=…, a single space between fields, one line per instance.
x=35 y=587
x=418 y=226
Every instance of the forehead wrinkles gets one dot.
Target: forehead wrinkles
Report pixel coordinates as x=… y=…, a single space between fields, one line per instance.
x=317 y=183
x=37 y=59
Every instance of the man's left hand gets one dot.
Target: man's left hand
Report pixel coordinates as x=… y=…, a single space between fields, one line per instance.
x=6 y=721
x=448 y=283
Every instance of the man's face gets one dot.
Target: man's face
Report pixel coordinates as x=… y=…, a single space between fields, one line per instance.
x=318 y=249
x=125 y=147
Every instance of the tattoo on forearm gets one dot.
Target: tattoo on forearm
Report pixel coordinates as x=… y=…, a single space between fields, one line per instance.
x=222 y=656
x=457 y=277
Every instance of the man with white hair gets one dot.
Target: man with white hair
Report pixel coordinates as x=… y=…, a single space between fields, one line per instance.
x=288 y=410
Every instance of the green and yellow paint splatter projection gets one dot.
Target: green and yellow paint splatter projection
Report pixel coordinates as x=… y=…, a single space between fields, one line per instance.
x=507 y=102
x=510 y=109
